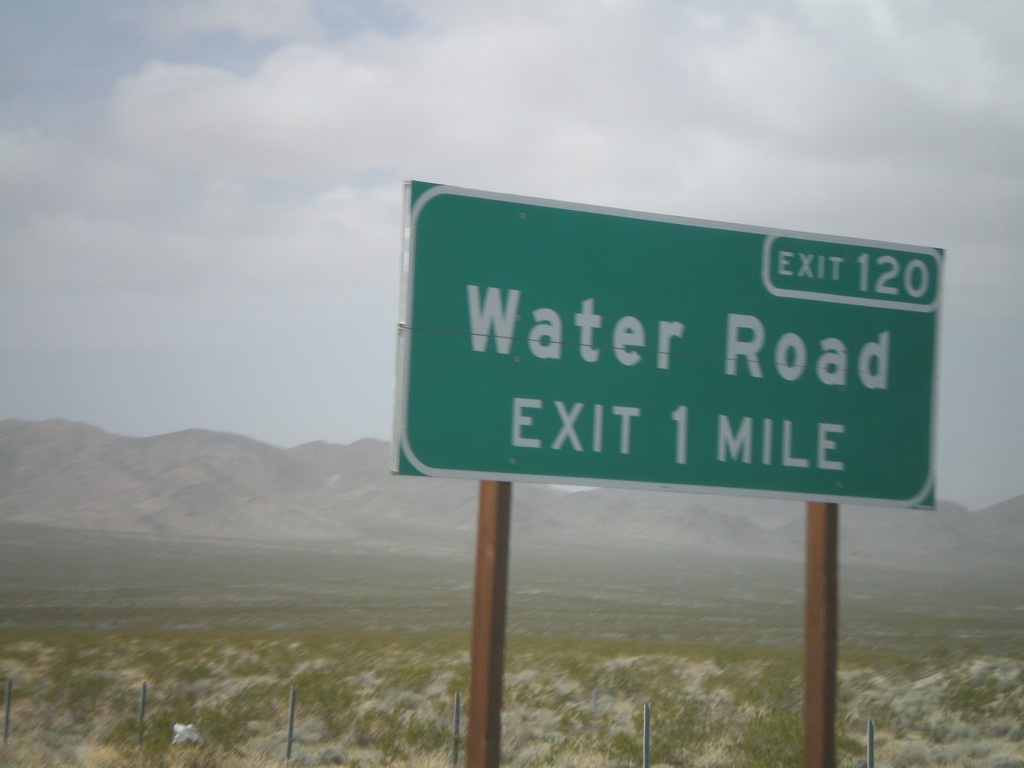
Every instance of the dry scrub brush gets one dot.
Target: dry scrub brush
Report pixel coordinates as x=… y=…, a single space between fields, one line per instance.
x=373 y=699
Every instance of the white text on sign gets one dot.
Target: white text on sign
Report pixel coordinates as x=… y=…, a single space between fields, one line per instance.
x=495 y=315
x=749 y=351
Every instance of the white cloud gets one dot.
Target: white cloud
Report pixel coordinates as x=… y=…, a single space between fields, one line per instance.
x=508 y=91
x=494 y=94
x=29 y=164
x=98 y=250
x=230 y=252
x=812 y=118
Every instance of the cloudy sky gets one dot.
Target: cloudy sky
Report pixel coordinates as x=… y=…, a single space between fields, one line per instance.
x=200 y=200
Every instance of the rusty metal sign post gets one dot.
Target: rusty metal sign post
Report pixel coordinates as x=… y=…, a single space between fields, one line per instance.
x=487 y=646
x=483 y=737
x=821 y=634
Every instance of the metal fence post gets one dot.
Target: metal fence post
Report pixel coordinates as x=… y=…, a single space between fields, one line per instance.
x=142 y=714
x=7 y=709
x=871 y=744
x=456 y=729
x=291 y=723
x=647 y=735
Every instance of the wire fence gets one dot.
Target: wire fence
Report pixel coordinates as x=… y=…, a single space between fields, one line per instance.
x=264 y=699
x=191 y=735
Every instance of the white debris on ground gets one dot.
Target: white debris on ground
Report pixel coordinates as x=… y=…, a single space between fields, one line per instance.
x=186 y=733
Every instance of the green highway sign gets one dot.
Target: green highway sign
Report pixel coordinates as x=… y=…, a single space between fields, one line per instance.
x=553 y=342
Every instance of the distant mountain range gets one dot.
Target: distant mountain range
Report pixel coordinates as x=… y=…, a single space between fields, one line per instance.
x=220 y=486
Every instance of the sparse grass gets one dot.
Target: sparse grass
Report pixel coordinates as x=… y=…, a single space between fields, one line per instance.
x=367 y=699
x=377 y=648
